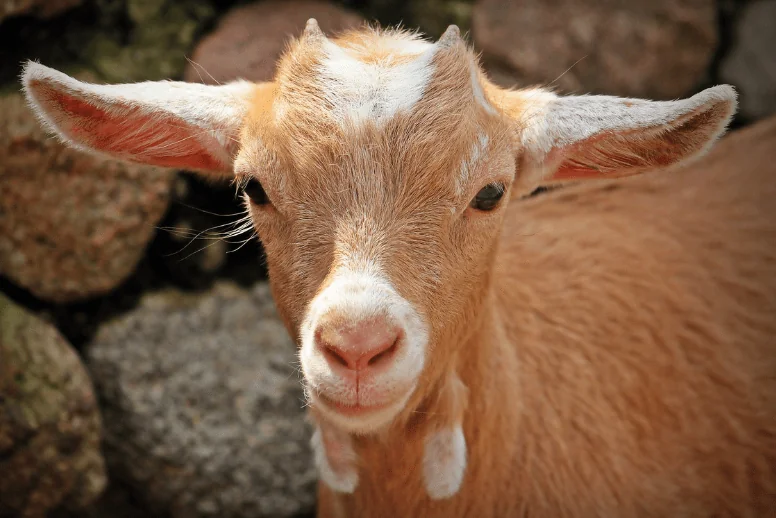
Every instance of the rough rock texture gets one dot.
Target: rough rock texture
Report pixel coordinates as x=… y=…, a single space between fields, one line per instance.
x=249 y=39
x=658 y=49
x=41 y=8
x=71 y=225
x=751 y=62
x=115 y=502
x=203 y=408
x=49 y=421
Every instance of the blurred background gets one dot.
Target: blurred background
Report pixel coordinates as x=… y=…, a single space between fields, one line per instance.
x=143 y=371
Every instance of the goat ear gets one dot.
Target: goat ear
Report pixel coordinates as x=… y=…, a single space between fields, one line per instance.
x=596 y=136
x=163 y=123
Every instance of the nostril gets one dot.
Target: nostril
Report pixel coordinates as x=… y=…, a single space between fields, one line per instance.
x=334 y=356
x=358 y=346
x=383 y=354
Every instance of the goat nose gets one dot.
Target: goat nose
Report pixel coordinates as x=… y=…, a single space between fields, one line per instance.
x=358 y=346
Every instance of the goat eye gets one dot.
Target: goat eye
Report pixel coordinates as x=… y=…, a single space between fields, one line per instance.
x=488 y=197
x=256 y=192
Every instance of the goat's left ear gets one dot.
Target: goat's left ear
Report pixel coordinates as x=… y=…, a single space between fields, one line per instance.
x=164 y=123
x=596 y=136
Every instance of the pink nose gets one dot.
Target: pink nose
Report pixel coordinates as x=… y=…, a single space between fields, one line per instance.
x=357 y=346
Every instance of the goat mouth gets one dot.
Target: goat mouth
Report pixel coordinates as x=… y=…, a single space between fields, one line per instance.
x=359 y=418
x=348 y=409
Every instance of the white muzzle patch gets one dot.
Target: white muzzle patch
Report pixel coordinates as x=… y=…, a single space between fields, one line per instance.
x=354 y=296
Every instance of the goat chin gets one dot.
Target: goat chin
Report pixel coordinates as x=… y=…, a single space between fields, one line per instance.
x=359 y=421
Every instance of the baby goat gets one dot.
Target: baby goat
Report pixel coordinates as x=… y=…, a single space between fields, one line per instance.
x=607 y=349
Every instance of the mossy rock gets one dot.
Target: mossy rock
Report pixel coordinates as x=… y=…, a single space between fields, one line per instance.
x=50 y=427
x=162 y=34
x=120 y=41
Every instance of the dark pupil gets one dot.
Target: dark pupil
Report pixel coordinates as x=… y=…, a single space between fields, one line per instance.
x=488 y=197
x=255 y=192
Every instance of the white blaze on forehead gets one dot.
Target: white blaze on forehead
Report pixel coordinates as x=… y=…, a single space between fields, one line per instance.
x=360 y=92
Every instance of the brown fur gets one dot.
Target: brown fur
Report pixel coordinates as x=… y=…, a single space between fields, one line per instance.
x=638 y=373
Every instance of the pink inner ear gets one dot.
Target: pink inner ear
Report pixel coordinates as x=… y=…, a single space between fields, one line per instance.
x=616 y=155
x=160 y=140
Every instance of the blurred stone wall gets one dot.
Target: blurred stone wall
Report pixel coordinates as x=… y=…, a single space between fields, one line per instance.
x=124 y=273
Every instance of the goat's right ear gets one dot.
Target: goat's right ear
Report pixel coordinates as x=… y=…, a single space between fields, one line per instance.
x=598 y=136
x=163 y=123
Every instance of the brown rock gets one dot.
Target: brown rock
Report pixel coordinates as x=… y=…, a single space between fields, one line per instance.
x=657 y=49
x=249 y=39
x=750 y=64
x=40 y=8
x=72 y=225
x=49 y=421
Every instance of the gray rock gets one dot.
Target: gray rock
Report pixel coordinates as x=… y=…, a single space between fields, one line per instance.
x=72 y=225
x=203 y=406
x=751 y=62
x=50 y=425
x=658 y=49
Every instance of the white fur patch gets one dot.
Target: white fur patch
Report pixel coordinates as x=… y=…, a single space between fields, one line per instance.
x=444 y=462
x=361 y=294
x=361 y=92
x=335 y=460
x=406 y=45
x=479 y=93
x=470 y=163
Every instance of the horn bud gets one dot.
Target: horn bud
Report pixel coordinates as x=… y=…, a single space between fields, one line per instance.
x=450 y=37
x=312 y=31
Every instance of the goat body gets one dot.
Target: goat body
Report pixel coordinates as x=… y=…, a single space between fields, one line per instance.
x=625 y=363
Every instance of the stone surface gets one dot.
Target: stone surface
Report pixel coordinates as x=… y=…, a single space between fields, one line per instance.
x=71 y=225
x=658 y=49
x=49 y=421
x=115 y=502
x=203 y=407
x=249 y=39
x=750 y=64
x=41 y=8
